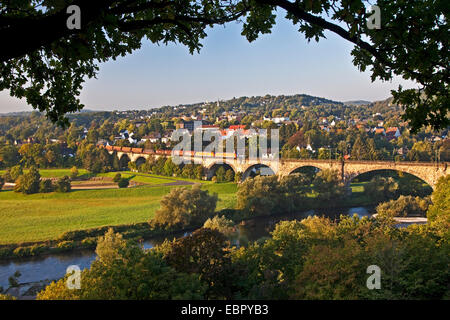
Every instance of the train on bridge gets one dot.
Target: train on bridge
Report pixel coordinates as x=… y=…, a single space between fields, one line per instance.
x=181 y=153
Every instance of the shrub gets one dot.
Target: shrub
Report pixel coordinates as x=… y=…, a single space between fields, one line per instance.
x=22 y=252
x=63 y=184
x=6 y=252
x=65 y=245
x=2 y=182
x=123 y=183
x=90 y=242
x=117 y=177
x=46 y=186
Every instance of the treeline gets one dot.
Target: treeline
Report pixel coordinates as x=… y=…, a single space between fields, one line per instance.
x=165 y=166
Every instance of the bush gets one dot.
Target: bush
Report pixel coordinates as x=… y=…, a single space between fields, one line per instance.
x=28 y=183
x=90 y=242
x=46 y=186
x=65 y=245
x=63 y=184
x=2 y=182
x=117 y=177
x=123 y=183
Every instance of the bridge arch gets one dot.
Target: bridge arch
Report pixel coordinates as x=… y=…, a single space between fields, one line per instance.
x=258 y=169
x=140 y=161
x=123 y=160
x=395 y=173
x=212 y=170
x=220 y=162
x=306 y=169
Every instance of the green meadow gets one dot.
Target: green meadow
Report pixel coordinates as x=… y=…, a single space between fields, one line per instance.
x=41 y=217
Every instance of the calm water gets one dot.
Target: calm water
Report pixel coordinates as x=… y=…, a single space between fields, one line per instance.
x=52 y=267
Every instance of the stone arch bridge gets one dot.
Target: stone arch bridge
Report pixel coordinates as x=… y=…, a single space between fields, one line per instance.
x=429 y=172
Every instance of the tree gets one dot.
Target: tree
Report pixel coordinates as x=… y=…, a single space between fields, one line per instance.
x=203 y=253
x=221 y=224
x=381 y=188
x=253 y=196
x=32 y=155
x=332 y=272
x=117 y=177
x=2 y=182
x=297 y=140
x=360 y=150
x=28 y=183
x=15 y=172
x=123 y=183
x=169 y=167
x=9 y=156
x=440 y=209
x=229 y=175
x=328 y=185
x=63 y=184
x=390 y=50
x=220 y=174
x=183 y=207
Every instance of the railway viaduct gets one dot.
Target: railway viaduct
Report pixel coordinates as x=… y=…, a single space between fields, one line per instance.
x=429 y=172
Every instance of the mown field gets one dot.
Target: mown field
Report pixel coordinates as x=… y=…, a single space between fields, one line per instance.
x=40 y=217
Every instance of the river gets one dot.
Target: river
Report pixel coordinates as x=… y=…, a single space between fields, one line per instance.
x=51 y=267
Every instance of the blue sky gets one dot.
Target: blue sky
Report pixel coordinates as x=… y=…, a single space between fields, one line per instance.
x=228 y=66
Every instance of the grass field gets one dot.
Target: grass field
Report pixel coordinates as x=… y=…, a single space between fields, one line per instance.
x=54 y=173
x=45 y=216
x=38 y=217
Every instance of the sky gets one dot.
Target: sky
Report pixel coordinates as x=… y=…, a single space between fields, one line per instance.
x=228 y=66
